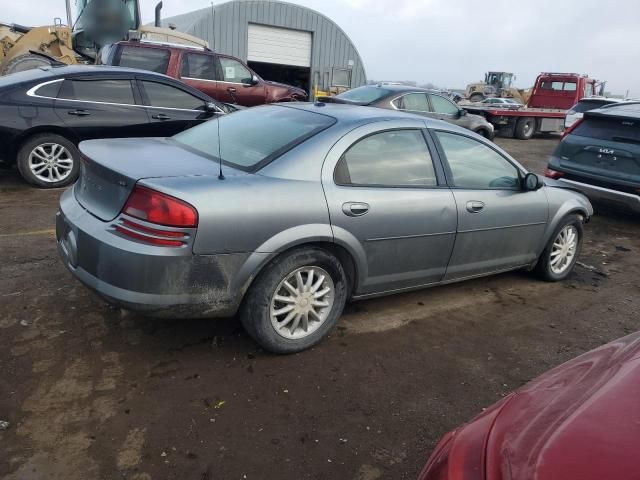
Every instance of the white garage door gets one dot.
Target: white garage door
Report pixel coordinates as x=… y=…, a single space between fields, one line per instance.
x=279 y=45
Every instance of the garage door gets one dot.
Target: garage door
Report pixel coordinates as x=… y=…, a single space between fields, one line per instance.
x=279 y=45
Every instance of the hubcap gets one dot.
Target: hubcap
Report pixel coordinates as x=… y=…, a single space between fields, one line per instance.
x=302 y=302
x=50 y=162
x=564 y=249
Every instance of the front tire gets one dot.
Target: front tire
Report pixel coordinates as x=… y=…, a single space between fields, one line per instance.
x=296 y=301
x=476 y=97
x=525 y=128
x=49 y=161
x=561 y=253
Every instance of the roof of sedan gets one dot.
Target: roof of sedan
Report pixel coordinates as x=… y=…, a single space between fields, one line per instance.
x=67 y=70
x=352 y=113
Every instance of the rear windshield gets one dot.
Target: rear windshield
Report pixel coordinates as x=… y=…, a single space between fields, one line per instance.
x=252 y=138
x=612 y=129
x=364 y=94
x=586 y=105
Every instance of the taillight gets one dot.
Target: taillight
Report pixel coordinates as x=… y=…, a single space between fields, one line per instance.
x=571 y=128
x=549 y=173
x=159 y=208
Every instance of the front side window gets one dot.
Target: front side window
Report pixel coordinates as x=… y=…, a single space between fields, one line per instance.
x=415 y=102
x=397 y=158
x=196 y=65
x=167 y=96
x=443 y=106
x=234 y=72
x=104 y=91
x=152 y=59
x=475 y=166
x=251 y=138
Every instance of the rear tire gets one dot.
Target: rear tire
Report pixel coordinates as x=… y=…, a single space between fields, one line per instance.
x=25 y=62
x=525 y=128
x=554 y=252
x=476 y=97
x=268 y=295
x=48 y=160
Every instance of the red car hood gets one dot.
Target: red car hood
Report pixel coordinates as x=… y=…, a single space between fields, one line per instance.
x=578 y=421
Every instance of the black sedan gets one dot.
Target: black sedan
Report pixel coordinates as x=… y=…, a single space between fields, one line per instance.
x=46 y=112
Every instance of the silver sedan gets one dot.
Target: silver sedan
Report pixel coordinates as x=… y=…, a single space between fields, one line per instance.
x=283 y=213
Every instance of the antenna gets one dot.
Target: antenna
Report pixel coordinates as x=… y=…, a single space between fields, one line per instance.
x=220 y=174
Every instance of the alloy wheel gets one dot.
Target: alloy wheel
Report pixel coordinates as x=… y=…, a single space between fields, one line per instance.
x=50 y=162
x=564 y=249
x=302 y=302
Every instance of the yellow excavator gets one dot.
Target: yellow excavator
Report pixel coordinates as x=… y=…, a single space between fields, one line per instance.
x=98 y=22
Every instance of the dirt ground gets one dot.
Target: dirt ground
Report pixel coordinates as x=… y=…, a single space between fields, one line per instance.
x=93 y=392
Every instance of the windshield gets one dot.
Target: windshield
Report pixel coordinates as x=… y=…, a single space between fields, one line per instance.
x=366 y=94
x=254 y=137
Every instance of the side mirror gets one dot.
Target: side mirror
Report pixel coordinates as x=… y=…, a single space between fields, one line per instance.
x=462 y=112
x=212 y=107
x=532 y=182
x=254 y=80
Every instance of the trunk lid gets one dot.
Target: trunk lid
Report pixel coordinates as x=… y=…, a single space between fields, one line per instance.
x=111 y=168
x=606 y=144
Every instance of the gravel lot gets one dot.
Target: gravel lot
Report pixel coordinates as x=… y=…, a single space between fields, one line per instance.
x=93 y=392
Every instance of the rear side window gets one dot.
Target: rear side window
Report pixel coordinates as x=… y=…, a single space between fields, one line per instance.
x=365 y=94
x=415 y=102
x=49 y=90
x=196 y=65
x=397 y=158
x=152 y=59
x=167 y=96
x=475 y=166
x=105 y=91
x=612 y=129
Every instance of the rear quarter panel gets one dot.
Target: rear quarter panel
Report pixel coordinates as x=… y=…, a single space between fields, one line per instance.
x=251 y=213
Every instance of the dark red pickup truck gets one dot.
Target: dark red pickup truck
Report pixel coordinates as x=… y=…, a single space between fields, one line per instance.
x=225 y=78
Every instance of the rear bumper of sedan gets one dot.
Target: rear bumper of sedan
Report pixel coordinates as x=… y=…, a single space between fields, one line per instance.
x=625 y=200
x=155 y=281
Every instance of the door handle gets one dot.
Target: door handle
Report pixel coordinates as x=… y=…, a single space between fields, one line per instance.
x=355 y=209
x=161 y=116
x=79 y=113
x=475 y=206
x=231 y=90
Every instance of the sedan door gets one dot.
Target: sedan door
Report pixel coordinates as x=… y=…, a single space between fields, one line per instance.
x=500 y=225
x=170 y=108
x=236 y=84
x=388 y=202
x=101 y=108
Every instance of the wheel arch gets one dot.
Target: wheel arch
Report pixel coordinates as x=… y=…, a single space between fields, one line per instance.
x=258 y=262
x=25 y=136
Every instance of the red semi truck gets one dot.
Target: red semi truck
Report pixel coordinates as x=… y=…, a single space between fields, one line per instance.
x=552 y=95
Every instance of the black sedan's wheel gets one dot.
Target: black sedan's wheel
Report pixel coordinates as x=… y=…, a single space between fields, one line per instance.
x=49 y=161
x=561 y=253
x=296 y=301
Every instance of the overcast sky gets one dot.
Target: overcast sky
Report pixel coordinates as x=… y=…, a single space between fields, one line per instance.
x=453 y=42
